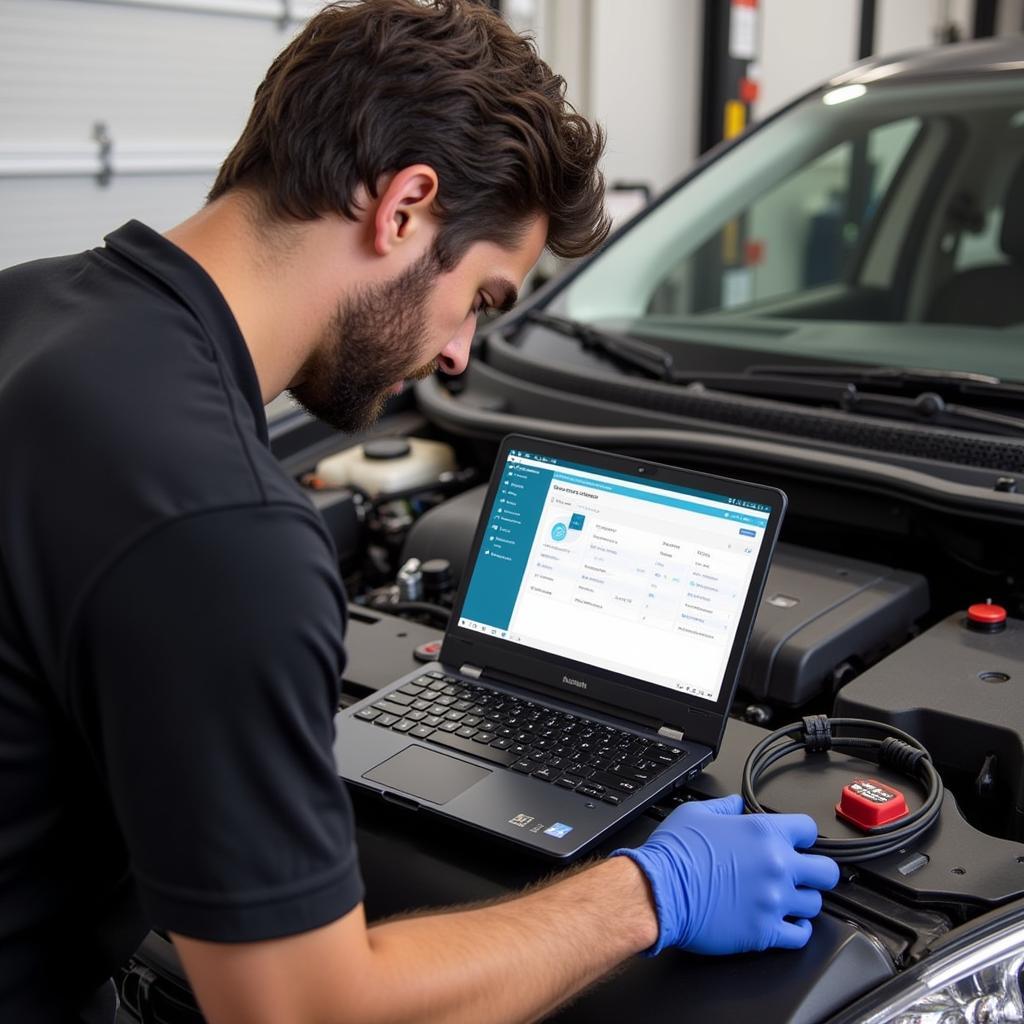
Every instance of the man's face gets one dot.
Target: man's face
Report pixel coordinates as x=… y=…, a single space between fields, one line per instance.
x=406 y=327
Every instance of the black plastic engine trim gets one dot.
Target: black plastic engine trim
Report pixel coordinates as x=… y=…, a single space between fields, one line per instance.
x=766 y=415
x=923 y=489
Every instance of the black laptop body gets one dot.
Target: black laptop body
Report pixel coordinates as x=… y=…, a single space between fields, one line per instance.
x=592 y=653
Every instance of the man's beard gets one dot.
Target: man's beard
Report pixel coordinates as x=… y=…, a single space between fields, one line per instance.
x=369 y=346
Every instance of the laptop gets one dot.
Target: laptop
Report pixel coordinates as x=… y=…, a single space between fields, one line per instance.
x=592 y=654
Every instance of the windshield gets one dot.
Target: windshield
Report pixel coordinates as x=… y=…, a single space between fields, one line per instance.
x=880 y=224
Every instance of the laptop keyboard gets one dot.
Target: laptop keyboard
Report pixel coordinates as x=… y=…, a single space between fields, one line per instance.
x=594 y=759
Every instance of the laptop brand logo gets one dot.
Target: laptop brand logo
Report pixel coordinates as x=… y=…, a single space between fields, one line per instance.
x=574 y=682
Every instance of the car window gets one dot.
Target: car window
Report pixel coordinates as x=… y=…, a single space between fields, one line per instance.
x=831 y=232
x=980 y=247
x=977 y=215
x=804 y=232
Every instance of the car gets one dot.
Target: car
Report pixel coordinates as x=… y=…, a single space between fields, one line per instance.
x=832 y=304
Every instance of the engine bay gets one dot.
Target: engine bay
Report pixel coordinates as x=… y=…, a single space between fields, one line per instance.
x=853 y=622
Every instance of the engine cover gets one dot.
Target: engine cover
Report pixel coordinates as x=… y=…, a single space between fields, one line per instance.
x=959 y=691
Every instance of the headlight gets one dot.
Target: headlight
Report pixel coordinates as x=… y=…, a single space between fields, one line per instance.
x=973 y=980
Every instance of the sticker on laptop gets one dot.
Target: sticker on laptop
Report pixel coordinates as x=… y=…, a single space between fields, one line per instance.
x=558 y=830
x=521 y=820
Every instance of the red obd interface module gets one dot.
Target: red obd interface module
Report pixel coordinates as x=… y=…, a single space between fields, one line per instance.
x=867 y=804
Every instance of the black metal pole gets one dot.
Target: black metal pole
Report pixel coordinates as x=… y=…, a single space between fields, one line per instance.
x=728 y=92
x=985 y=18
x=866 y=42
x=859 y=188
x=713 y=70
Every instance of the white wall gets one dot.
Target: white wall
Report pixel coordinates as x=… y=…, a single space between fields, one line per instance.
x=803 y=42
x=563 y=30
x=1010 y=19
x=905 y=25
x=910 y=24
x=633 y=66
x=645 y=75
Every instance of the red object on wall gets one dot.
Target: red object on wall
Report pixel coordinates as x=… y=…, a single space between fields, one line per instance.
x=753 y=252
x=748 y=90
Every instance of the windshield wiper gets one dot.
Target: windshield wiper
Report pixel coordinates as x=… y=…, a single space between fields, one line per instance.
x=927 y=407
x=648 y=358
x=655 y=362
x=959 y=382
x=831 y=385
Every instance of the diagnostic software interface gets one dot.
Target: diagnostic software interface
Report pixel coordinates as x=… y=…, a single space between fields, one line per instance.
x=645 y=579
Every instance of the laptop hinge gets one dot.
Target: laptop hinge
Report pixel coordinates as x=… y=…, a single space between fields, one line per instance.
x=473 y=671
x=670 y=732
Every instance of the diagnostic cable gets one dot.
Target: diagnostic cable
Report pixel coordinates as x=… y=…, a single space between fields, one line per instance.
x=894 y=749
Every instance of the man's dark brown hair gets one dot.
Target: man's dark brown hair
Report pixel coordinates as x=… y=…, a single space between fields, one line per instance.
x=369 y=88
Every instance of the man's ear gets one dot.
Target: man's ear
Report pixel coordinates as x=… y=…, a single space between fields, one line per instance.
x=405 y=207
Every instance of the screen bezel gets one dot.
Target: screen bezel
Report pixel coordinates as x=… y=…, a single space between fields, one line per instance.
x=700 y=719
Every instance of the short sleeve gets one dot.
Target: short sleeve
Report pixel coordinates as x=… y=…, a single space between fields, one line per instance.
x=204 y=672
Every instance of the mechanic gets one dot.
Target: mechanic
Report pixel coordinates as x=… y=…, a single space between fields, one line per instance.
x=171 y=616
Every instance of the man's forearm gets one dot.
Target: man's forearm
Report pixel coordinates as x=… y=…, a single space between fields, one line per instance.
x=516 y=960
x=495 y=964
x=725 y=882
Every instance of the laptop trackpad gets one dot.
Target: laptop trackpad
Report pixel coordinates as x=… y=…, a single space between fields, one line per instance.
x=426 y=774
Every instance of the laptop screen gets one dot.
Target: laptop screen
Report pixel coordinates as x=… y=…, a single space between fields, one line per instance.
x=609 y=569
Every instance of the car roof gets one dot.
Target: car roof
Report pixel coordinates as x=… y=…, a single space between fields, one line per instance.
x=979 y=57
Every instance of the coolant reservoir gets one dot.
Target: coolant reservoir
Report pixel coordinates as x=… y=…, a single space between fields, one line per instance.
x=387 y=465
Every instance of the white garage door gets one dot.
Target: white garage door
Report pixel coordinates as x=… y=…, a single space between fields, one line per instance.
x=169 y=81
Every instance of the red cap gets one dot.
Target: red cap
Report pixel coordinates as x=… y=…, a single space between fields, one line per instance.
x=868 y=803
x=987 y=614
x=428 y=651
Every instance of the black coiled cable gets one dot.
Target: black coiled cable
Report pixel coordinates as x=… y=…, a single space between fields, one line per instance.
x=897 y=749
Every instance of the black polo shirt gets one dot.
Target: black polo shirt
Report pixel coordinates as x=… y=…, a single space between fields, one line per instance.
x=171 y=625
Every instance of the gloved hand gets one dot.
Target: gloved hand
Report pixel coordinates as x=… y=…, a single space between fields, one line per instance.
x=725 y=882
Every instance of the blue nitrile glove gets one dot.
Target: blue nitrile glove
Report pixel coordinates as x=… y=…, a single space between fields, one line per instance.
x=725 y=882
